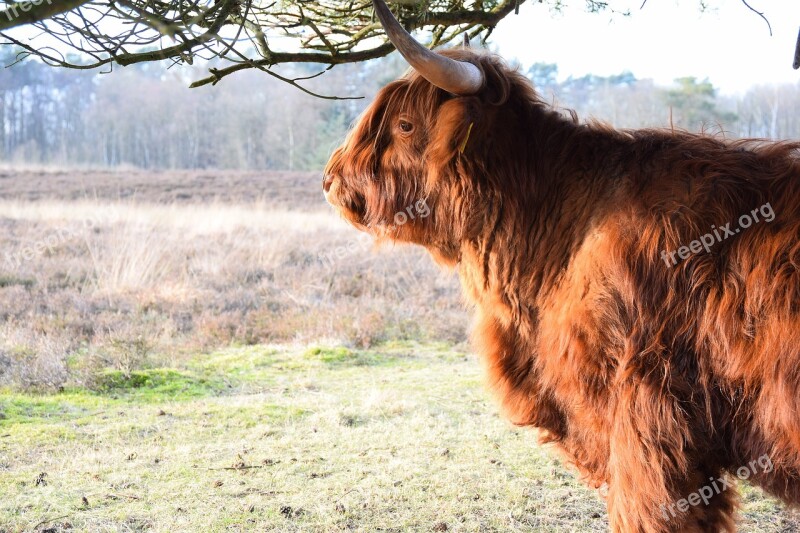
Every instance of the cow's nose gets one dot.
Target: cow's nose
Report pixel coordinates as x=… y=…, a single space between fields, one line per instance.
x=326 y=183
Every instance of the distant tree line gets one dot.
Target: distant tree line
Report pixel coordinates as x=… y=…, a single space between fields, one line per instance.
x=146 y=117
x=765 y=111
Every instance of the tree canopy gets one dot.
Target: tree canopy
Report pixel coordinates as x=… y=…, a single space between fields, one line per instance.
x=241 y=34
x=238 y=34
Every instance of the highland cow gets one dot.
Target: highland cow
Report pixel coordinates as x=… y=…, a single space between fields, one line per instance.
x=659 y=361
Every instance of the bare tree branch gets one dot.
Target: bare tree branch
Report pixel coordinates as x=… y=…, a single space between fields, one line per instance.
x=435 y=19
x=31 y=11
x=237 y=34
x=308 y=57
x=225 y=9
x=760 y=14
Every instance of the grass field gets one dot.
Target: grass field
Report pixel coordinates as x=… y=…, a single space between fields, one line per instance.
x=200 y=357
x=400 y=437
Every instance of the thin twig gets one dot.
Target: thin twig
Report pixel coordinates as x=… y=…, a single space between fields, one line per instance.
x=120 y=496
x=346 y=493
x=43 y=522
x=21 y=13
x=760 y=14
x=246 y=467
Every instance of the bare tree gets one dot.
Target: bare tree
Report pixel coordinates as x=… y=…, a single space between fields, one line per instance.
x=240 y=33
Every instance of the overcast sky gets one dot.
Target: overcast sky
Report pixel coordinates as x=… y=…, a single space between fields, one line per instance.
x=664 y=40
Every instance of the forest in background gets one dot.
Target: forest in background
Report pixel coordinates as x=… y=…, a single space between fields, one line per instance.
x=146 y=117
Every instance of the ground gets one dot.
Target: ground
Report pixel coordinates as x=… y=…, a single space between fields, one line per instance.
x=210 y=352
x=398 y=438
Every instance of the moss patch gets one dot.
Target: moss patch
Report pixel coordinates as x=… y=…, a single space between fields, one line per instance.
x=342 y=356
x=157 y=382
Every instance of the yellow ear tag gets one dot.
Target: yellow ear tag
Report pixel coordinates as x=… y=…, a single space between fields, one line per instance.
x=466 y=139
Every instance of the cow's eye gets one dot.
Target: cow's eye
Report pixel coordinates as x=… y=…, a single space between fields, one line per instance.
x=406 y=126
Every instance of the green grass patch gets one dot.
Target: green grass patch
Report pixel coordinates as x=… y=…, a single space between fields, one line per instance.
x=10 y=281
x=342 y=356
x=26 y=408
x=157 y=383
x=237 y=359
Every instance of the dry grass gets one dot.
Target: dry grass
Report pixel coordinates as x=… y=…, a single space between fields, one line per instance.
x=88 y=282
x=294 y=190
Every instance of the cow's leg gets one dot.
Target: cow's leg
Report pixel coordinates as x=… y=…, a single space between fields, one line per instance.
x=657 y=483
x=780 y=479
x=770 y=460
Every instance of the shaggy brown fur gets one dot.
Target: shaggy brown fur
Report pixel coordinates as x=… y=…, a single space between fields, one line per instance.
x=652 y=378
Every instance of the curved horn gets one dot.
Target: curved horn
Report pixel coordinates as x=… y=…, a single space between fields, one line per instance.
x=457 y=77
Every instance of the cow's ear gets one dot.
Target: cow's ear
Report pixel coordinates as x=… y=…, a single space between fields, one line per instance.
x=454 y=129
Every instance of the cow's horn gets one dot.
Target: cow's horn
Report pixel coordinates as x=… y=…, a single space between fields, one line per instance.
x=457 y=77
